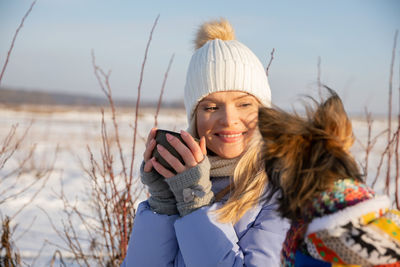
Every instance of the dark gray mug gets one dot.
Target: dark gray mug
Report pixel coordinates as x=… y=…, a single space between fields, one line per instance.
x=162 y=140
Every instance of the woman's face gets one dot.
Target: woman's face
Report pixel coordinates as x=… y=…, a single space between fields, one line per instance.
x=227 y=120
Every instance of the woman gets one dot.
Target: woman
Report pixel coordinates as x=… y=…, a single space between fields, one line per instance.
x=199 y=216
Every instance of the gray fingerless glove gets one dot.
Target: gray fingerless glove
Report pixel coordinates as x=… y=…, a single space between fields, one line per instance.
x=161 y=199
x=192 y=188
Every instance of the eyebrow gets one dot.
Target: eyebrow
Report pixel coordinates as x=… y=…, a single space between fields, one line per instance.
x=236 y=98
x=243 y=96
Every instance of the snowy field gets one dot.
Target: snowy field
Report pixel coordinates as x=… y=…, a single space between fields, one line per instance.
x=72 y=131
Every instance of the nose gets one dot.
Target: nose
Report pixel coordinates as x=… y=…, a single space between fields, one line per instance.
x=230 y=116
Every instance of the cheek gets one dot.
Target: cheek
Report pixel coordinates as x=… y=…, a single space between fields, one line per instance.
x=199 y=127
x=203 y=124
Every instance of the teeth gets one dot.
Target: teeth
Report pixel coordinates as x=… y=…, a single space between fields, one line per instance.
x=230 y=135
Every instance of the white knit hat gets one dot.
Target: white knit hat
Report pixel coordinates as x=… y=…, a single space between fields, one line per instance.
x=222 y=64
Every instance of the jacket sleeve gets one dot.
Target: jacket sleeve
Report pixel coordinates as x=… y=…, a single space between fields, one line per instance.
x=204 y=241
x=153 y=241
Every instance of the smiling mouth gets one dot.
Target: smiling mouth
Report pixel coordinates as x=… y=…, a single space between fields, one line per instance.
x=230 y=137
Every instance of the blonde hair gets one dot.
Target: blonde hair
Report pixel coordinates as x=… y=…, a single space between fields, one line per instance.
x=249 y=183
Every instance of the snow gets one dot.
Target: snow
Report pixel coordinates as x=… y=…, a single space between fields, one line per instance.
x=72 y=131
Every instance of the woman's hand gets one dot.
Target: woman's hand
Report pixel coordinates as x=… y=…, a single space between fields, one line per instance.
x=150 y=145
x=192 y=154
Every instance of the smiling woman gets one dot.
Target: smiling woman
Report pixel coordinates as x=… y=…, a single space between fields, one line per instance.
x=205 y=212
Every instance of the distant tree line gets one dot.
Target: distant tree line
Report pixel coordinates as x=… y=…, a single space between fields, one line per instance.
x=20 y=97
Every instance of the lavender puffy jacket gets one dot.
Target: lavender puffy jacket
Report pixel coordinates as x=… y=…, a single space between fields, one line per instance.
x=198 y=239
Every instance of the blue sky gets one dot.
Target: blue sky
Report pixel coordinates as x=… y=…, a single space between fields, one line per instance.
x=354 y=39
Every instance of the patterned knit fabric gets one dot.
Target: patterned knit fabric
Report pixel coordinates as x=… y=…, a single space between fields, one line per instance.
x=344 y=193
x=370 y=240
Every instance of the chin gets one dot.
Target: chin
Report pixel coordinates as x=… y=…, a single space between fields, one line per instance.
x=227 y=151
x=230 y=154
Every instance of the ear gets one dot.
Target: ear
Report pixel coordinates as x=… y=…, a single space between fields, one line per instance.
x=331 y=117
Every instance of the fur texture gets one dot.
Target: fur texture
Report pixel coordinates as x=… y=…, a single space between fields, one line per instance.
x=336 y=218
x=303 y=156
x=216 y=29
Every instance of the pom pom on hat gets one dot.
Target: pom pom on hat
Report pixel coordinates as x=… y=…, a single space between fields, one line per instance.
x=216 y=29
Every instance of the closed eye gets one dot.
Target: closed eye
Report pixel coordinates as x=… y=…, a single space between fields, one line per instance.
x=245 y=104
x=210 y=108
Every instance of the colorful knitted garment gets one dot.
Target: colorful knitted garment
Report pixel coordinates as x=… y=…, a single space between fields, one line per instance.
x=345 y=208
x=371 y=240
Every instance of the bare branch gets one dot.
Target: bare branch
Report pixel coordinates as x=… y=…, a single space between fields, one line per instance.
x=138 y=96
x=389 y=153
x=13 y=40
x=53 y=259
x=270 y=61
x=388 y=145
x=370 y=141
x=162 y=90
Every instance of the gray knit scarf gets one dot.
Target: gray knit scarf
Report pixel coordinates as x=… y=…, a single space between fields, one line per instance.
x=222 y=167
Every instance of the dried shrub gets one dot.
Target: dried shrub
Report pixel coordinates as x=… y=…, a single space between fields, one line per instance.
x=97 y=234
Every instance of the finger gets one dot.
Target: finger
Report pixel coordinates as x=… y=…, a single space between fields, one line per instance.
x=193 y=146
x=148 y=166
x=149 y=150
x=152 y=135
x=203 y=145
x=171 y=159
x=160 y=169
x=183 y=150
